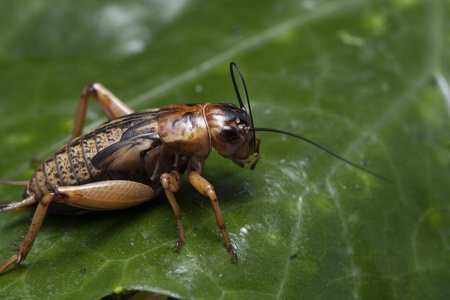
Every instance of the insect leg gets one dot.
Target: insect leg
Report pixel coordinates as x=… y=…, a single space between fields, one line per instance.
x=205 y=188
x=26 y=204
x=33 y=230
x=104 y=195
x=111 y=105
x=16 y=183
x=171 y=186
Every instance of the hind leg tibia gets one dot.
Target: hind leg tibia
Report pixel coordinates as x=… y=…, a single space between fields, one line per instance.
x=33 y=230
x=112 y=106
x=103 y=195
x=26 y=204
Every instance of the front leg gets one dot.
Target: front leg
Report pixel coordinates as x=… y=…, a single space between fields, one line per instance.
x=205 y=188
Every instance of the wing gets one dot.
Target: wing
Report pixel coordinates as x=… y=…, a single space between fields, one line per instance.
x=127 y=154
x=140 y=137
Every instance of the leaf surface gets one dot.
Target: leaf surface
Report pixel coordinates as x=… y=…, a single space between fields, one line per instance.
x=366 y=79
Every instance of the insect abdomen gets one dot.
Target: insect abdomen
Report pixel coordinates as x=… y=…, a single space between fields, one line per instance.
x=71 y=165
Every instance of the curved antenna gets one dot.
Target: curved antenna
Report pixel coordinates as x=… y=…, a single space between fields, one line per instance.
x=233 y=64
x=236 y=89
x=326 y=150
x=238 y=95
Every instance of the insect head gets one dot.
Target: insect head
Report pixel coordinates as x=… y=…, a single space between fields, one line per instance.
x=240 y=133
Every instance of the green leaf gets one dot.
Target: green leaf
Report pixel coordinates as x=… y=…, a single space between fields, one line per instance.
x=366 y=79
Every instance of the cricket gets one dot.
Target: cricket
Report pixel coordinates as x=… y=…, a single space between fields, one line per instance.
x=135 y=156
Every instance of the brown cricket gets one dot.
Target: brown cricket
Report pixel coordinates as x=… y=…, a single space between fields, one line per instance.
x=135 y=156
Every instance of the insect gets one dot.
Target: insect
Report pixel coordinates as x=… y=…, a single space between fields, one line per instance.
x=136 y=156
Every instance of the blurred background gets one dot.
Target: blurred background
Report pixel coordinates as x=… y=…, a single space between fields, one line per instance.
x=366 y=79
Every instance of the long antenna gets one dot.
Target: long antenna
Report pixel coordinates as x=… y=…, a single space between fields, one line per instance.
x=326 y=150
x=238 y=95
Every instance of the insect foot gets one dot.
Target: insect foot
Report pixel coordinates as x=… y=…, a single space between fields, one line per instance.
x=33 y=231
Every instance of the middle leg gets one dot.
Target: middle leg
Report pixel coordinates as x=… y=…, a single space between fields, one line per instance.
x=170 y=185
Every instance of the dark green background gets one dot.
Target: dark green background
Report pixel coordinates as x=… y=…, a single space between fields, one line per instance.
x=367 y=79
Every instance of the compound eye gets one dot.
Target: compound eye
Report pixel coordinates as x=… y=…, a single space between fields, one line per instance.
x=230 y=134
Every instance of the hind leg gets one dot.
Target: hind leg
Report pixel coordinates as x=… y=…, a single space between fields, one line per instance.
x=28 y=240
x=103 y=195
x=111 y=105
x=16 y=183
x=26 y=204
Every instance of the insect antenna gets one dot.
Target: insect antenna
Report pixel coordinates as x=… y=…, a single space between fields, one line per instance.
x=326 y=150
x=238 y=95
x=254 y=129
